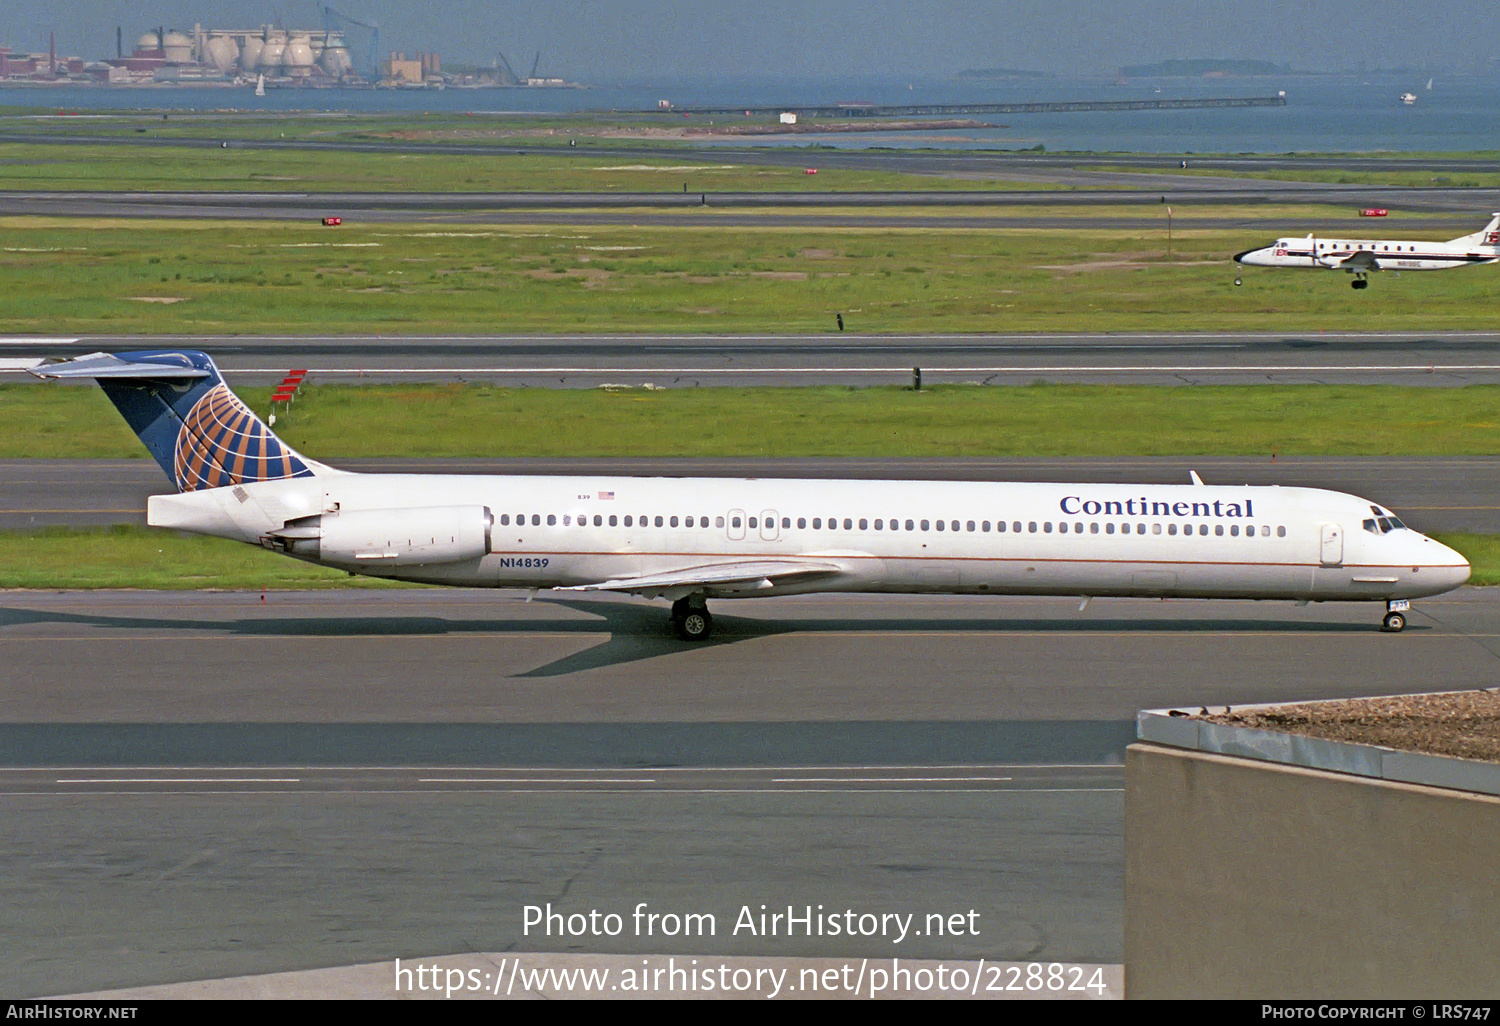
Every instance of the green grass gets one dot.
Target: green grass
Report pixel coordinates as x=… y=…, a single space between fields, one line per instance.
x=110 y=277
x=1481 y=550
x=333 y=421
x=137 y=557
x=182 y=169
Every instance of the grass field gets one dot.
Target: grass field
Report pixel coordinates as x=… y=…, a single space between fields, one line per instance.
x=182 y=169
x=69 y=275
x=332 y=421
x=671 y=131
x=138 y=557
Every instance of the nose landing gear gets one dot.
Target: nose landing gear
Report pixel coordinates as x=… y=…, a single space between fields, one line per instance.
x=1395 y=616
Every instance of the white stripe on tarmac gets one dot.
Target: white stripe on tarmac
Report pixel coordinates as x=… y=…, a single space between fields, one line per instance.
x=1411 y=368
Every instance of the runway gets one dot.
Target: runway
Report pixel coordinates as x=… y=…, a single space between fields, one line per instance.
x=844 y=358
x=1443 y=210
x=1430 y=493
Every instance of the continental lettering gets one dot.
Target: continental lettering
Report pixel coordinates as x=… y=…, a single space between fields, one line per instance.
x=1073 y=505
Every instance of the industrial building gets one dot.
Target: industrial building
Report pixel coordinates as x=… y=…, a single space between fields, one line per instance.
x=297 y=55
x=344 y=52
x=38 y=66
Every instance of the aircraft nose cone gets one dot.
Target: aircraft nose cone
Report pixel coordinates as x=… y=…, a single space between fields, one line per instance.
x=1239 y=258
x=1452 y=568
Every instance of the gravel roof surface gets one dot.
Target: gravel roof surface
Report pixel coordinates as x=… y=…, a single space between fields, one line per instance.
x=1463 y=724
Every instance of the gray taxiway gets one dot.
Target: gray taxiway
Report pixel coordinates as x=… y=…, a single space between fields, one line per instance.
x=844 y=358
x=332 y=778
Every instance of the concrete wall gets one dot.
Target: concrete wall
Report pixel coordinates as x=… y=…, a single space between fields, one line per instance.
x=1249 y=879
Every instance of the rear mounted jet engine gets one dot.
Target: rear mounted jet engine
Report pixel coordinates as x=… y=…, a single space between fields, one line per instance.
x=389 y=537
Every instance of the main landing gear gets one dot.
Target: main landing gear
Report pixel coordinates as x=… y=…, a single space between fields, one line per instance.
x=691 y=619
x=1395 y=616
x=1360 y=282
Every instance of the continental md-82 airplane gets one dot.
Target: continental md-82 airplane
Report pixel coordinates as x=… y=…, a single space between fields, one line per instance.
x=1361 y=256
x=688 y=540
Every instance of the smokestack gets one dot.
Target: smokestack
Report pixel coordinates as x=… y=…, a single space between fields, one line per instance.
x=119 y=42
x=52 y=53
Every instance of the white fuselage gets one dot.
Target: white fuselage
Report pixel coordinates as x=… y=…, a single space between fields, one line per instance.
x=866 y=536
x=1384 y=254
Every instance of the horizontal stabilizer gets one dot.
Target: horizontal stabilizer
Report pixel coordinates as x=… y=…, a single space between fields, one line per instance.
x=718 y=575
x=110 y=366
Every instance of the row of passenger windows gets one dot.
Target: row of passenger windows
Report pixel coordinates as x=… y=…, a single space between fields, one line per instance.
x=865 y=524
x=1364 y=245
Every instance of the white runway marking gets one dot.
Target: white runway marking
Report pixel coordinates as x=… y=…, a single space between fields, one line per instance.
x=1408 y=368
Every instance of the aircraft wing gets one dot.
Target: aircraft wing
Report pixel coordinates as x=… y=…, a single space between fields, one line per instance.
x=749 y=573
x=1361 y=260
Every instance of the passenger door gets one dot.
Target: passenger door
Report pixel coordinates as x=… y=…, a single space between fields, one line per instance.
x=1332 y=551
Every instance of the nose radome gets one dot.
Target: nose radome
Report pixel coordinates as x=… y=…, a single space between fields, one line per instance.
x=1450 y=564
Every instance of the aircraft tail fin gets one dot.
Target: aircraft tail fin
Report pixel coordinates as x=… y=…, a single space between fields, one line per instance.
x=199 y=431
x=1489 y=236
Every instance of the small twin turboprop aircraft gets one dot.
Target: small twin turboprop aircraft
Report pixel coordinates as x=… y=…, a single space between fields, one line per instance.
x=688 y=540
x=1359 y=258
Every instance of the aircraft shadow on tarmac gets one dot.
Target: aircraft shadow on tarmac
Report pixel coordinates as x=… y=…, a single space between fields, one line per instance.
x=638 y=632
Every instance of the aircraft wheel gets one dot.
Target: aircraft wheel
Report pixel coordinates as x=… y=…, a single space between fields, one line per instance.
x=1237 y=281
x=1359 y=283
x=1393 y=622
x=694 y=625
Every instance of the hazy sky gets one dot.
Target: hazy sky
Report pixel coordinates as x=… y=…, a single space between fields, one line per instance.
x=644 y=40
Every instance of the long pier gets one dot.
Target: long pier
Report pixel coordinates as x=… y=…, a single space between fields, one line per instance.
x=876 y=110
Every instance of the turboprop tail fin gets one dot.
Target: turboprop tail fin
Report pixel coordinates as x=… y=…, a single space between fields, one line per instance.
x=1489 y=236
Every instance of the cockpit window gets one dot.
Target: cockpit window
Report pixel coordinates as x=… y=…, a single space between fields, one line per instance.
x=1380 y=525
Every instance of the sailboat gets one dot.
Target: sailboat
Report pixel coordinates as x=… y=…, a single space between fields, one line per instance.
x=260 y=85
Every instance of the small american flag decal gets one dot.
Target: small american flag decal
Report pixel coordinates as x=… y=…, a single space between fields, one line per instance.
x=606 y=495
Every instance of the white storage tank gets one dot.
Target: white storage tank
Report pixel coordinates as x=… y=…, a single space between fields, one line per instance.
x=250 y=55
x=336 y=61
x=271 y=53
x=223 y=52
x=178 y=47
x=297 y=58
